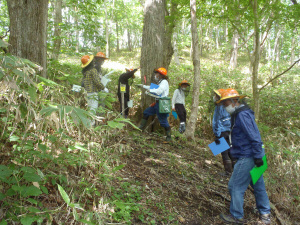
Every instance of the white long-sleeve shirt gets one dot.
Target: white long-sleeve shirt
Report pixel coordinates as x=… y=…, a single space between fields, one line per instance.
x=178 y=97
x=162 y=90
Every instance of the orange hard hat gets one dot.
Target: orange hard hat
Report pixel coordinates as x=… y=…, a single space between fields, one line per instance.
x=219 y=92
x=184 y=82
x=86 y=60
x=230 y=93
x=128 y=69
x=162 y=71
x=100 y=55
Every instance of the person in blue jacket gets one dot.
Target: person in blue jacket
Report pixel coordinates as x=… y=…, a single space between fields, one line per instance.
x=160 y=76
x=247 y=148
x=221 y=128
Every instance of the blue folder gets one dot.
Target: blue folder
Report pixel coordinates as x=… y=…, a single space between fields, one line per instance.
x=174 y=114
x=153 y=86
x=217 y=149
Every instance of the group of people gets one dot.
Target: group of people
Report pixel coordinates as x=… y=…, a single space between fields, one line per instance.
x=232 y=119
x=235 y=121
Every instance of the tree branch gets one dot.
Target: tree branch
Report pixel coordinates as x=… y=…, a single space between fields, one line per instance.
x=279 y=74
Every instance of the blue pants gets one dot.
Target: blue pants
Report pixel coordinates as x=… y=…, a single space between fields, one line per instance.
x=238 y=184
x=162 y=117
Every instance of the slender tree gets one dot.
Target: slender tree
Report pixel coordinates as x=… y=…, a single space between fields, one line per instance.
x=256 y=57
x=28 y=30
x=190 y=131
x=57 y=29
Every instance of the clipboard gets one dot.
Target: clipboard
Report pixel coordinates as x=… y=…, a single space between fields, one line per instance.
x=257 y=172
x=174 y=114
x=217 y=149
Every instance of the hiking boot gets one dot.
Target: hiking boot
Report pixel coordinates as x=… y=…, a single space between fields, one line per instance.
x=229 y=219
x=168 y=133
x=182 y=127
x=265 y=218
x=143 y=124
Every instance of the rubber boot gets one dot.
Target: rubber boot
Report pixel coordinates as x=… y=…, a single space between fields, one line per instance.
x=182 y=127
x=227 y=166
x=233 y=162
x=143 y=124
x=168 y=133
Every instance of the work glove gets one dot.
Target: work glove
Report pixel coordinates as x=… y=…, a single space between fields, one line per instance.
x=217 y=141
x=139 y=85
x=258 y=162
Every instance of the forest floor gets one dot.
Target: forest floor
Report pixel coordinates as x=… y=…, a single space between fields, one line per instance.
x=182 y=181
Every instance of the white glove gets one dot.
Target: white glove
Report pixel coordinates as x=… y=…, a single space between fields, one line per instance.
x=105 y=90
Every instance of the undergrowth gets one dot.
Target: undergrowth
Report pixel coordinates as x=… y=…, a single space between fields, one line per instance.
x=55 y=169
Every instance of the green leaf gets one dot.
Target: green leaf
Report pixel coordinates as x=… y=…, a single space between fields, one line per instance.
x=2 y=196
x=33 y=209
x=47 y=81
x=118 y=168
x=27 y=169
x=31 y=191
x=5 y=172
x=3 y=222
x=31 y=177
x=32 y=93
x=28 y=220
x=14 y=138
x=114 y=124
x=32 y=201
x=42 y=147
x=63 y=194
x=44 y=189
x=49 y=110
x=78 y=146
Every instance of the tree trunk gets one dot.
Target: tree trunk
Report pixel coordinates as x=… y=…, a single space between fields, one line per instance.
x=77 y=30
x=106 y=31
x=190 y=131
x=170 y=25
x=293 y=45
x=176 y=59
x=256 y=57
x=129 y=40
x=28 y=30
x=57 y=30
x=201 y=35
x=234 y=50
x=277 y=44
x=117 y=31
x=152 y=43
x=217 y=37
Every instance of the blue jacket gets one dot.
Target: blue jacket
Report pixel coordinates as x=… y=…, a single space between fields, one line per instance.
x=221 y=120
x=245 y=136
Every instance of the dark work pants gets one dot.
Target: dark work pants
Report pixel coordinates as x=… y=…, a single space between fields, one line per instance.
x=226 y=154
x=181 y=112
x=126 y=99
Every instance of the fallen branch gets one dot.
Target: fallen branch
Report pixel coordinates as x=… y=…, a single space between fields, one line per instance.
x=279 y=75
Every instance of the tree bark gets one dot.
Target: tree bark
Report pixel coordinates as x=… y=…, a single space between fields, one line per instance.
x=293 y=45
x=28 y=30
x=152 y=43
x=106 y=30
x=170 y=25
x=129 y=40
x=117 y=31
x=256 y=57
x=234 y=50
x=190 y=131
x=57 y=30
